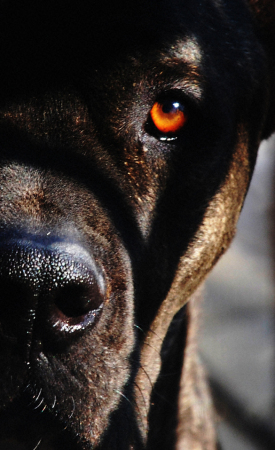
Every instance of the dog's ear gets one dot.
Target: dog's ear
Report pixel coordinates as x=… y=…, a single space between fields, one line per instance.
x=264 y=19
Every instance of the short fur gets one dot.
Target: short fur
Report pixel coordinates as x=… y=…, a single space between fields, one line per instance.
x=82 y=166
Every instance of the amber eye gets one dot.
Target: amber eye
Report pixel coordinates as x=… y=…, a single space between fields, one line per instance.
x=168 y=116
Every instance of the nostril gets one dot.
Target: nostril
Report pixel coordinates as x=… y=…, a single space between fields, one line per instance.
x=77 y=300
x=71 y=308
x=76 y=296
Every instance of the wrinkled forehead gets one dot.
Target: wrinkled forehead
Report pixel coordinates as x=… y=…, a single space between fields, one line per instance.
x=86 y=30
x=57 y=42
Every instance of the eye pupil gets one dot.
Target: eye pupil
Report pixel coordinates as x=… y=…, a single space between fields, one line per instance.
x=168 y=116
x=169 y=107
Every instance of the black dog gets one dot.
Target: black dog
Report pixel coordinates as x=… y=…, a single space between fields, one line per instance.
x=129 y=132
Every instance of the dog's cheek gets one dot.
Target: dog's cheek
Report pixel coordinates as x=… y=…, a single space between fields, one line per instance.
x=85 y=384
x=82 y=379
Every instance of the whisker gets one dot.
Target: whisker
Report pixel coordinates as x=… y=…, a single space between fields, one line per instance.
x=153 y=332
x=40 y=403
x=26 y=387
x=54 y=403
x=36 y=399
x=122 y=395
x=153 y=348
x=37 y=445
x=140 y=329
x=140 y=390
x=151 y=384
x=72 y=413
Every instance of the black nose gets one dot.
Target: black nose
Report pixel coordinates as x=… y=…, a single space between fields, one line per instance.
x=57 y=284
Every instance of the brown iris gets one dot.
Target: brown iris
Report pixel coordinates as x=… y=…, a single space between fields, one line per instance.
x=168 y=116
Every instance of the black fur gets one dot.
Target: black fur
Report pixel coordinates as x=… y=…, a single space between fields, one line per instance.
x=107 y=226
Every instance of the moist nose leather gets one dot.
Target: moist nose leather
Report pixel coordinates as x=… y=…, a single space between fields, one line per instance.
x=61 y=277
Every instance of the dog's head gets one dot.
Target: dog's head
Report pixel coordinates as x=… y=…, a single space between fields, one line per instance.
x=128 y=138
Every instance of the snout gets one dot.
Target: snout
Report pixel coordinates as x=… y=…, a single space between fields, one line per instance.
x=54 y=284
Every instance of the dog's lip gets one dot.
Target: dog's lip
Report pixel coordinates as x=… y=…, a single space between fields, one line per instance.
x=23 y=426
x=12 y=444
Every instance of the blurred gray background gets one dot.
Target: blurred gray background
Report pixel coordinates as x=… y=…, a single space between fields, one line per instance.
x=237 y=339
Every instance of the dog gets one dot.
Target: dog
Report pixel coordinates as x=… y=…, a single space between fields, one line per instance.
x=129 y=133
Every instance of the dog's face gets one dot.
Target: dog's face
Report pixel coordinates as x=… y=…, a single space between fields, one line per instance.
x=128 y=137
